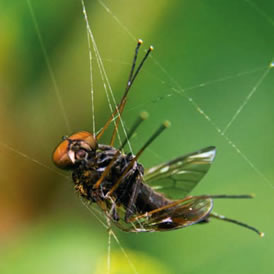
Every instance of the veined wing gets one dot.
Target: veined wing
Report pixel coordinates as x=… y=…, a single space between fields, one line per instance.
x=176 y=178
x=180 y=214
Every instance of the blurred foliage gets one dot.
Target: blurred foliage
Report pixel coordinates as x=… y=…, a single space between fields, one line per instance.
x=216 y=52
x=135 y=261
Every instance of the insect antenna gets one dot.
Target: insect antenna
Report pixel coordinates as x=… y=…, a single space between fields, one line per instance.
x=223 y=218
x=165 y=125
x=142 y=117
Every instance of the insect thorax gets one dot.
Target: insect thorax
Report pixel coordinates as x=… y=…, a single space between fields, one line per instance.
x=89 y=171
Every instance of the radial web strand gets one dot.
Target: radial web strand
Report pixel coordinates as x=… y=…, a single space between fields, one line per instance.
x=180 y=90
x=49 y=67
x=176 y=89
x=246 y=100
x=104 y=77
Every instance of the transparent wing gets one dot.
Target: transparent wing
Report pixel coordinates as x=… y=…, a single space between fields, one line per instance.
x=186 y=212
x=176 y=178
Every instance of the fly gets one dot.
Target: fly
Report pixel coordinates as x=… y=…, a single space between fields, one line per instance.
x=134 y=198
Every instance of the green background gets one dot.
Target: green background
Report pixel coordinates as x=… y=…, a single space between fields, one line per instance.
x=218 y=53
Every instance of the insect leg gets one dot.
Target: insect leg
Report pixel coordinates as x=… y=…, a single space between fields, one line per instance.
x=131 y=163
x=113 y=212
x=131 y=205
x=223 y=218
x=143 y=116
x=107 y=169
x=158 y=210
x=119 y=109
x=129 y=84
x=190 y=198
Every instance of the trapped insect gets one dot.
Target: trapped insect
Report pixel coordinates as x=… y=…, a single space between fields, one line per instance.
x=134 y=198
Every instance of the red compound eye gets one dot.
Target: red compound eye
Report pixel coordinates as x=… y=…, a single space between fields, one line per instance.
x=62 y=155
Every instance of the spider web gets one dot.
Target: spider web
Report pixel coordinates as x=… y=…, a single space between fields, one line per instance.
x=178 y=89
x=175 y=89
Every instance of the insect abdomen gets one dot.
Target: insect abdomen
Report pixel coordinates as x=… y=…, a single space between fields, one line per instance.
x=148 y=199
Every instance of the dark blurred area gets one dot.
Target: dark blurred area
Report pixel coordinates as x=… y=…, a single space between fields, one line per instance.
x=210 y=75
